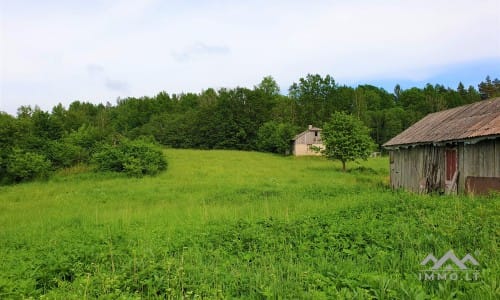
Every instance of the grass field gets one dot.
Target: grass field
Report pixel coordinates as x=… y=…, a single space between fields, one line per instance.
x=228 y=224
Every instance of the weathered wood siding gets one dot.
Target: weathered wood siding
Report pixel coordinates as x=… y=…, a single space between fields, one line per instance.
x=422 y=168
x=309 y=137
x=480 y=160
x=418 y=169
x=303 y=149
x=305 y=140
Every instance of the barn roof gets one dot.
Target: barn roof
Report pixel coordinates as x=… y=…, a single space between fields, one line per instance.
x=310 y=129
x=476 y=120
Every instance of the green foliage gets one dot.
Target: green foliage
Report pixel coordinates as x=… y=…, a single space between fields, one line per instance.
x=135 y=158
x=172 y=129
x=239 y=225
x=222 y=119
x=24 y=166
x=315 y=97
x=63 y=154
x=275 y=137
x=346 y=139
x=489 y=89
x=269 y=87
x=86 y=136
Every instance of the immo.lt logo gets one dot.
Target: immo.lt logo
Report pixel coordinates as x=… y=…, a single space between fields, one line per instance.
x=449 y=267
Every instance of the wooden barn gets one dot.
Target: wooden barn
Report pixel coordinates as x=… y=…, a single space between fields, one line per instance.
x=455 y=150
x=303 y=142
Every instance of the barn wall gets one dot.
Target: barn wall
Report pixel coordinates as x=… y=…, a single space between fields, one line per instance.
x=304 y=141
x=309 y=137
x=421 y=168
x=303 y=149
x=418 y=169
x=481 y=159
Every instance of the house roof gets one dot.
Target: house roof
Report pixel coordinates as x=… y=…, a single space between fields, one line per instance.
x=311 y=128
x=476 y=120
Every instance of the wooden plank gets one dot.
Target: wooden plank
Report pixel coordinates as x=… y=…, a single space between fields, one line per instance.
x=489 y=159
x=451 y=185
x=409 y=167
x=496 y=172
x=473 y=161
x=465 y=164
x=461 y=178
x=418 y=154
x=482 y=149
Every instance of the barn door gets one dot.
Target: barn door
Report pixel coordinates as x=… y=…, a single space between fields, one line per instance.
x=451 y=174
x=451 y=163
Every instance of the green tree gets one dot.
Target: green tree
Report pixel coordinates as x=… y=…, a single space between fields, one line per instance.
x=25 y=166
x=275 y=137
x=315 y=98
x=79 y=113
x=269 y=86
x=10 y=135
x=346 y=138
x=173 y=129
x=397 y=93
x=472 y=95
x=489 y=88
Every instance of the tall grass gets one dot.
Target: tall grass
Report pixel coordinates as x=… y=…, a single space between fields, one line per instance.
x=228 y=224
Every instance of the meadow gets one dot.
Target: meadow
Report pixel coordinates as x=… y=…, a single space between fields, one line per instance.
x=232 y=224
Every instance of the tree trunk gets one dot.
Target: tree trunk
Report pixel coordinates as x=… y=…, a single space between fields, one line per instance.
x=343 y=166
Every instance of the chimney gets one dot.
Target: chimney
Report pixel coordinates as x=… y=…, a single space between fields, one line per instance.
x=310 y=127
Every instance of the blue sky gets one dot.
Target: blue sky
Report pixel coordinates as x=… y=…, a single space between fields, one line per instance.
x=61 y=51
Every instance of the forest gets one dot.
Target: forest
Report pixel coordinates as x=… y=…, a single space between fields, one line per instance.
x=36 y=142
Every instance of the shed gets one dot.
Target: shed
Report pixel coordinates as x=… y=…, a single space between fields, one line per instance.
x=303 y=143
x=455 y=150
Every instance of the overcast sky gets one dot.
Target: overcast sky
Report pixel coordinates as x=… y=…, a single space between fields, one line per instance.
x=61 y=51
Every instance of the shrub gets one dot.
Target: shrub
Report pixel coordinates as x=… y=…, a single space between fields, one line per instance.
x=63 y=154
x=86 y=137
x=275 y=137
x=25 y=166
x=135 y=158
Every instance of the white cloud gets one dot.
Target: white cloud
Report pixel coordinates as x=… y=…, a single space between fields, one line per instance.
x=95 y=70
x=117 y=85
x=198 y=50
x=135 y=48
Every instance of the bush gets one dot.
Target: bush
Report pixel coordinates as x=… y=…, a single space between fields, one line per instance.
x=25 y=166
x=85 y=137
x=135 y=158
x=63 y=154
x=275 y=137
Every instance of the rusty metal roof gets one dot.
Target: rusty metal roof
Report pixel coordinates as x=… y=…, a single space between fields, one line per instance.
x=480 y=119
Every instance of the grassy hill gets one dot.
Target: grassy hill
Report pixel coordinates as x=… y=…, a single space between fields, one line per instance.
x=228 y=224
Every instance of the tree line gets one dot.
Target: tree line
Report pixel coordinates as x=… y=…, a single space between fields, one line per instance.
x=258 y=118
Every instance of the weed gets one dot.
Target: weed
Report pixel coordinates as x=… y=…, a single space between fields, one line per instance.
x=229 y=224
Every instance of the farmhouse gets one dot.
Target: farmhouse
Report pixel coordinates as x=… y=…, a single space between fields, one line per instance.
x=303 y=142
x=455 y=150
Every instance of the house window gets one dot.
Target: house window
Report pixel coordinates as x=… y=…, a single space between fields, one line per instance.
x=315 y=133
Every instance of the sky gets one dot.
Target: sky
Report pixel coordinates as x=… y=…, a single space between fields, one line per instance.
x=96 y=51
